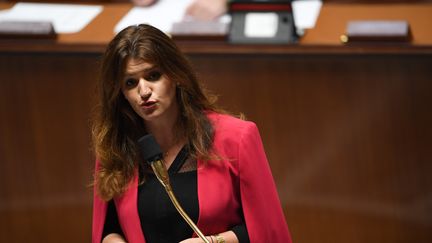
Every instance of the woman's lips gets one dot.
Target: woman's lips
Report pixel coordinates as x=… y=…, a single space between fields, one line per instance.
x=149 y=104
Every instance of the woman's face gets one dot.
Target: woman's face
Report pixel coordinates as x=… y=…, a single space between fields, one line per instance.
x=149 y=92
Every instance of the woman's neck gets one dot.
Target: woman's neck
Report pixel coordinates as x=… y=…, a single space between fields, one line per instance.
x=164 y=131
x=168 y=140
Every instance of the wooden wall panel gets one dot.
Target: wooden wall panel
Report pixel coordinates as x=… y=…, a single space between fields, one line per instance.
x=348 y=138
x=45 y=155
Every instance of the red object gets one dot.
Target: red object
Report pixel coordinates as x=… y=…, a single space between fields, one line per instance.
x=244 y=164
x=264 y=7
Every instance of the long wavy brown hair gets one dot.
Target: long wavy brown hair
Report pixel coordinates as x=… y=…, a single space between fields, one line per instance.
x=116 y=126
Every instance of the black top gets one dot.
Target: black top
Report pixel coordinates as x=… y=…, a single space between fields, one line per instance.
x=159 y=219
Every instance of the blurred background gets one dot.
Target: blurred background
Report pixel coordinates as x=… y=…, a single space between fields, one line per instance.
x=346 y=127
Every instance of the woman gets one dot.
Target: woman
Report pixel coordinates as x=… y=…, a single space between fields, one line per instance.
x=216 y=162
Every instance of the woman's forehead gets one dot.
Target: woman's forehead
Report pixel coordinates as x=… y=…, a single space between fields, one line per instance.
x=137 y=65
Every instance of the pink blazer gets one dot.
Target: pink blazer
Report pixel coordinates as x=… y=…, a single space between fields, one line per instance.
x=240 y=183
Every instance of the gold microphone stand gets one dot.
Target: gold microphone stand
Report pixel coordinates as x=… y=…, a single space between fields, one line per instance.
x=161 y=173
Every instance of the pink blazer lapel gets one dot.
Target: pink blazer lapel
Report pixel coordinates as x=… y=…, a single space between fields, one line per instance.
x=127 y=210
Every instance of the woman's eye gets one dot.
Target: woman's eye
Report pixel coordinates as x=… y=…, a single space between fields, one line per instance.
x=130 y=82
x=153 y=76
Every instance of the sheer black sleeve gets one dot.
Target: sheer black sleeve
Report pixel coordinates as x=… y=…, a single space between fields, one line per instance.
x=241 y=232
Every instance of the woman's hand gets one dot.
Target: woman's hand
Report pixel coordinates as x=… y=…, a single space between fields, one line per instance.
x=198 y=240
x=143 y=2
x=228 y=236
x=113 y=238
x=194 y=240
x=206 y=9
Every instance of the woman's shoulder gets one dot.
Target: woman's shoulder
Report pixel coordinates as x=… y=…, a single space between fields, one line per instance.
x=231 y=134
x=225 y=124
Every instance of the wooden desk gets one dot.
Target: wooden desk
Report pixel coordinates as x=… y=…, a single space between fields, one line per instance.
x=346 y=128
x=322 y=39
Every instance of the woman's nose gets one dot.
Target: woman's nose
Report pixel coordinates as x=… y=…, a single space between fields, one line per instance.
x=144 y=90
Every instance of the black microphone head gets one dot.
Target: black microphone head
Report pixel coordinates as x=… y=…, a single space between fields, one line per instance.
x=150 y=149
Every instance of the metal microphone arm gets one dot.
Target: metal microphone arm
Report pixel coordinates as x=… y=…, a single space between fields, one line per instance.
x=153 y=155
x=160 y=171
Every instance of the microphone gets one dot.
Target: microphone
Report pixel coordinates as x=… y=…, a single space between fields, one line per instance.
x=152 y=154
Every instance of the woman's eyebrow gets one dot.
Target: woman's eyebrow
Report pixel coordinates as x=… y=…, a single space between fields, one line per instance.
x=144 y=70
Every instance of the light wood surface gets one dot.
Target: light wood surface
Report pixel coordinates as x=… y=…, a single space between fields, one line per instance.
x=334 y=17
x=324 y=38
